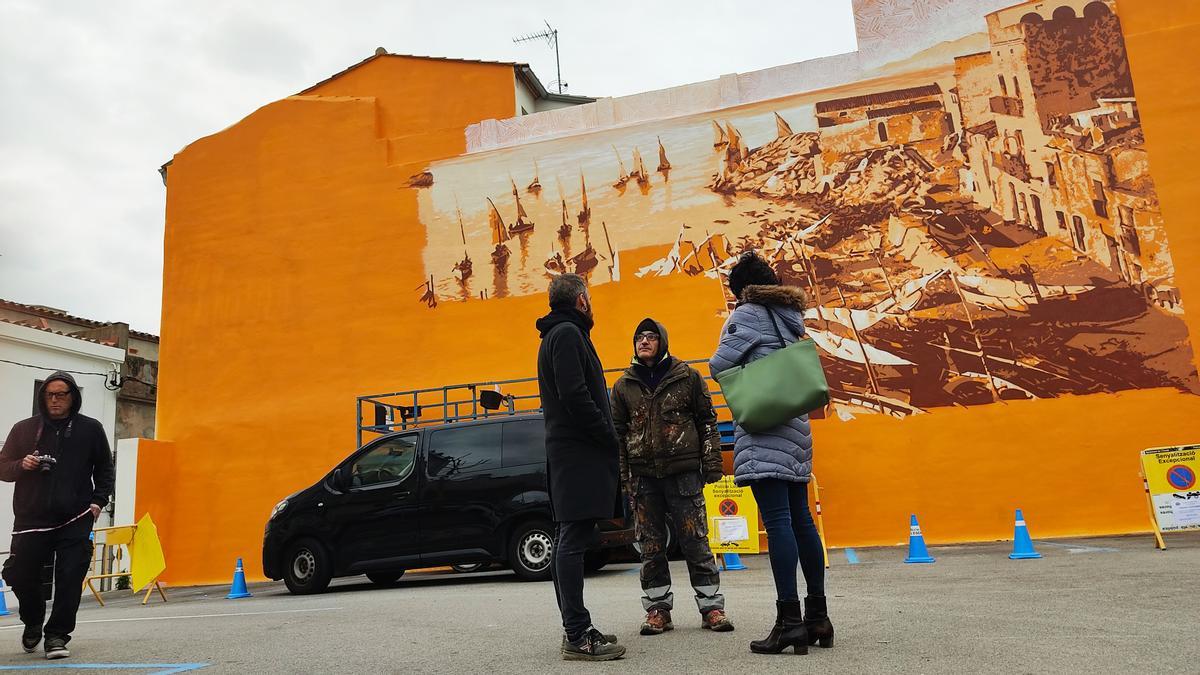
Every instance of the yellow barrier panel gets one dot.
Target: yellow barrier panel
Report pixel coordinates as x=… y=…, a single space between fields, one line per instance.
x=1171 y=479
x=146 y=560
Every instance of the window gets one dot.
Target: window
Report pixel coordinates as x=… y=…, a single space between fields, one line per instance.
x=387 y=462
x=1036 y=207
x=1003 y=85
x=1051 y=174
x=1077 y=233
x=882 y=129
x=464 y=450
x=1099 y=199
x=1129 y=236
x=524 y=443
x=1062 y=221
x=1016 y=88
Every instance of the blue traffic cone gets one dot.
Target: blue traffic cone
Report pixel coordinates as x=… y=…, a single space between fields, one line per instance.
x=3 y=600
x=917 y=553
x=731 y=562
x=239 y=584
x=1022 y=543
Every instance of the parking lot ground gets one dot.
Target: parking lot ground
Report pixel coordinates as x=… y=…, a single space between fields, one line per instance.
x=1090 y=605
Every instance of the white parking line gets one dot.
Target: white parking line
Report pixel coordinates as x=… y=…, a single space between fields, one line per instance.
x=194 y=616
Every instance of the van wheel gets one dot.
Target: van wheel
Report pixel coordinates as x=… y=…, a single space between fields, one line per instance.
x=531 y=550
x=385 y=579
x=307 y=567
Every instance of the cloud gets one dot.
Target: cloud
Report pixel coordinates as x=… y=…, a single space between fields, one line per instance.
x=99 y=95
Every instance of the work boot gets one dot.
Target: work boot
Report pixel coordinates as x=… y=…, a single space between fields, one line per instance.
x=56 y=648
x=715 y=620
x=658 y=621
x=816 y=621
x=787 y=632
x=30 y=638
x=591 y=646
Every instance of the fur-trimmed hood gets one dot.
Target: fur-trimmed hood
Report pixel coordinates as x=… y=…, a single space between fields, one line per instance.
x=787 y=296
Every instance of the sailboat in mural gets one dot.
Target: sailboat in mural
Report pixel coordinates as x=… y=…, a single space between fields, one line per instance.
x=664 y=165
x=586 y=261
x=535 y=186
x=523 y=223
x=782 y=128
x=564 y=230
x=720 y=138
x=499 y=235
x=623 y=179
x=733 y=153
x=464 y=267
x=614 y=272
x=585 y=211
x=639 y=171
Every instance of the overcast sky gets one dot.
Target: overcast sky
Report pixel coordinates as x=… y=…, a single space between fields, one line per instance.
x=97 y=95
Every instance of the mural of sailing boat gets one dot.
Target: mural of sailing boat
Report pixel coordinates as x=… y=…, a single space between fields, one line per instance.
x=585 y=211
x=782 y=128
x=664 y=166
x=555 y=265
x=523 y=223
x=639 y=172
x=564 y=230
x=735 y=152
x=720 y=139
x=623 y=179
x=535 y=186
x=464 y=267
x=499 y=235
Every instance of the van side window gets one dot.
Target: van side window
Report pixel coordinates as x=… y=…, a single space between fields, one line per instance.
x=524 y=443
x=387 y=462
x=465 y=450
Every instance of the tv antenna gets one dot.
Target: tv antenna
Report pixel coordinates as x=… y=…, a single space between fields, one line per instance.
x=550 y=35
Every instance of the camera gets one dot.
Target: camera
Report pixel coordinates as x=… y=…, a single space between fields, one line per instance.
x=46 y=463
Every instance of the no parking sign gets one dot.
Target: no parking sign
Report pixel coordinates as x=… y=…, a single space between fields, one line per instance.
x=732 y=517
x=1170 y=476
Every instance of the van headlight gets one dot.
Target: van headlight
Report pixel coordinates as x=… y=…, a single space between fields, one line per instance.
x=278 y=508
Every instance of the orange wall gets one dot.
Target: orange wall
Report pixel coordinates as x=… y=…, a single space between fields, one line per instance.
x=293 y=248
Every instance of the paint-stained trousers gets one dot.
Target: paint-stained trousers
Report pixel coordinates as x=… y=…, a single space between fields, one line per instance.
x=680 y=496
x=71 y=551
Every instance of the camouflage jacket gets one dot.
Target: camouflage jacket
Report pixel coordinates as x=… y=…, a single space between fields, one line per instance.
x=669 y=430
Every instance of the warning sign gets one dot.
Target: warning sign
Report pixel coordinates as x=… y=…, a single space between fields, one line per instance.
x=732 y=517
x=1170 y=475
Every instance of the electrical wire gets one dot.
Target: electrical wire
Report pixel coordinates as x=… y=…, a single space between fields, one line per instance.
x=73 y=372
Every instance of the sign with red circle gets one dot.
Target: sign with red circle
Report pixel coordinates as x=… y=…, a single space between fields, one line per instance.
x=728 y=507
x=1181 y=477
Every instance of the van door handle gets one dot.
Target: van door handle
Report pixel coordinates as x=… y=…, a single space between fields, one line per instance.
x=403 y=495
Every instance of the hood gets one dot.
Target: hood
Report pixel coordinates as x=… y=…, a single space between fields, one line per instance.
x=663 y=343
x=76 y=399
x=784 y=296
x=563 y=315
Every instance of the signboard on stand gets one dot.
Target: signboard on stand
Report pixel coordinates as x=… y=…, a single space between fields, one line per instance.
x=732 y=517
x=1170 y=478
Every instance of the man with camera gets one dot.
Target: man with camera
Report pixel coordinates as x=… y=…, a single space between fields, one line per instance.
x=63 y=470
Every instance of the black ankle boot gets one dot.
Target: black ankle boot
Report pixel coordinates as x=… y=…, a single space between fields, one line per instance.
x=816 y=621
x=788 y=631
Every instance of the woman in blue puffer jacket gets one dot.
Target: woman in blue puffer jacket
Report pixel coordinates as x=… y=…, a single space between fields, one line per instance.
x=777 y=463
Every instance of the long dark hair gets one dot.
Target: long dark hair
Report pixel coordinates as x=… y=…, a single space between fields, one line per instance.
x=751 y=270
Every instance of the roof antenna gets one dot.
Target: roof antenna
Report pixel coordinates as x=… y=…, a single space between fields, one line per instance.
x=550 y=35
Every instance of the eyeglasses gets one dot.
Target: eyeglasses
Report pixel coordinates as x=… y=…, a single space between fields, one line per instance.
x=58 y=395
x=647 y=337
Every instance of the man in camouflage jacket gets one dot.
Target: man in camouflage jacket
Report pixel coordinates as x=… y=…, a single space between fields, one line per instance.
x=669 y=449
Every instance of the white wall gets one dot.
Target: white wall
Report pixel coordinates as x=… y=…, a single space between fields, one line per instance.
x=50 y=352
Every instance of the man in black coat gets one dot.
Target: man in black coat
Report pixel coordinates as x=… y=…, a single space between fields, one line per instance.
x=581 y=456
x=62 y=465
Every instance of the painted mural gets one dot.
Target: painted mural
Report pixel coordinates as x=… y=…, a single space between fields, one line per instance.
x=976 y=224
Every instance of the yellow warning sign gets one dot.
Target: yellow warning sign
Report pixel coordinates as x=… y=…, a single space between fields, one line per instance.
x=1173 y=486
x=732 y=517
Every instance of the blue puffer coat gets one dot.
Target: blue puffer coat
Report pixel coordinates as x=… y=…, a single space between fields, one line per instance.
x=784 y=452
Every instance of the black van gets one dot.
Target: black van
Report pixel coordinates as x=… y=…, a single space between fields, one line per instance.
x=441 y=495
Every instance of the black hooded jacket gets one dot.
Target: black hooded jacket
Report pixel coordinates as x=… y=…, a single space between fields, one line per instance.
x=82 y=476
x=581 y=444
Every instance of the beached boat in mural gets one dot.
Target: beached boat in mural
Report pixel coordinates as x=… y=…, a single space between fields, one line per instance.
x=499 y=235
x=720 y=139
x=535 y=186
x=555 y=264
x=464 y=267
x=585 y=211
x=623 y=178
x=523 y=223
x=586 y=261
x=664 y=165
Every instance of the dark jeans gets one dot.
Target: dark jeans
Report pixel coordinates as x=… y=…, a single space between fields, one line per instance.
x=570 y=543
x=791 y=536
x=682 y=498
x=72 y=553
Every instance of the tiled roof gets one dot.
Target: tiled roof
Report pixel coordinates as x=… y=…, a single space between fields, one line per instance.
x=63 y=316
x=49 y=330
x=878 y=99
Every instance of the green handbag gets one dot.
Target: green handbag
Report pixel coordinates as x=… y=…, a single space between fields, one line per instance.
x=782 y=385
